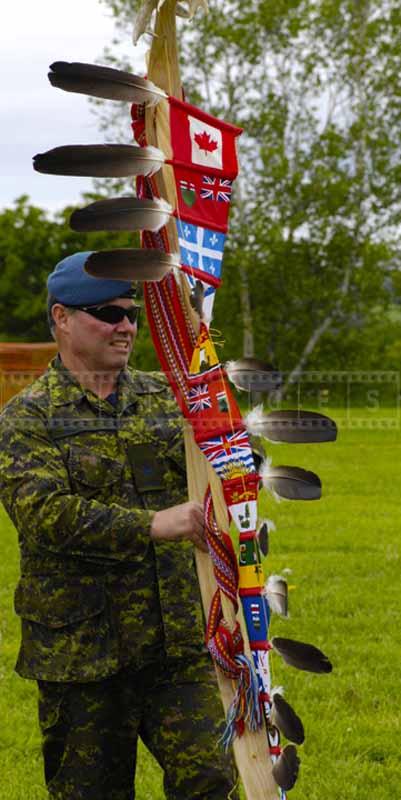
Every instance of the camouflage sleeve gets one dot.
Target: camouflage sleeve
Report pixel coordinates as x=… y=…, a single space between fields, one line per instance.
x=36 y=492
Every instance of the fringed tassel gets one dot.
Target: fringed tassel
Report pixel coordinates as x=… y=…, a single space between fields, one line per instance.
x=245 y=708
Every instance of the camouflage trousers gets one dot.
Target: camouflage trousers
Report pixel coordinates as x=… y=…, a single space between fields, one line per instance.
x=90 y=733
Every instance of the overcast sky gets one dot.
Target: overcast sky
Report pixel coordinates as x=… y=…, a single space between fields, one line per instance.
x=34 y=116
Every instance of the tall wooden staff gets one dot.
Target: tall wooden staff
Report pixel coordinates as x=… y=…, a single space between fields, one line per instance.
x=250 y=749
x=236 y=604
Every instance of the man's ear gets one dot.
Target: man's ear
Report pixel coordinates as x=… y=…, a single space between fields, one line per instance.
x=60 y=316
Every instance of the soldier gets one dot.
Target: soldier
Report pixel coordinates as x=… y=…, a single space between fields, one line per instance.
x=93 y=477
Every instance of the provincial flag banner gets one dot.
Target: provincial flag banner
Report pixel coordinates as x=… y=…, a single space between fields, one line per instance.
x=244 y=515
x=213 y=410
x=203 y=199
x=230 y=454
x=204 y=356
x=201 y=251
x=255 y=614
x=241 y=498
x=202 y=141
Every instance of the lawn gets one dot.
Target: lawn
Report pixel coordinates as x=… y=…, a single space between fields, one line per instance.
x=344 y=557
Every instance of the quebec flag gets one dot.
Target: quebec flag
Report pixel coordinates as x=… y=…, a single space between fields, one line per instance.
x=201 y=250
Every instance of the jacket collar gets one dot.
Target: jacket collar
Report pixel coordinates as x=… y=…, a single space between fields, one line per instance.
x=66 y=390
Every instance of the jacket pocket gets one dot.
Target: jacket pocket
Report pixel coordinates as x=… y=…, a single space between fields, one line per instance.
x=92 y=474
x=67 y=633
x=56 y=602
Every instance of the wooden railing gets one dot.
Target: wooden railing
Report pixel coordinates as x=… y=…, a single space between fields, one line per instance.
x=20 y=364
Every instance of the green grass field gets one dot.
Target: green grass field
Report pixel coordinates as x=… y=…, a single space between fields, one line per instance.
x=344 y=557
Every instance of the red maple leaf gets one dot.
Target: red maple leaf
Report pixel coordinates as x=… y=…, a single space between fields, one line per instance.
x=205 y=142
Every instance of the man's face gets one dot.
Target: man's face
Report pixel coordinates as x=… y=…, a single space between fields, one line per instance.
x=99 y=345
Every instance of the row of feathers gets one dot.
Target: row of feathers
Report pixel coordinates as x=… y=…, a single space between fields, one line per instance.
x=130 y=213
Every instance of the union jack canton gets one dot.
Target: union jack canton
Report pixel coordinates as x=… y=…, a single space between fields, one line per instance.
x=216 y=189
x=199 y=399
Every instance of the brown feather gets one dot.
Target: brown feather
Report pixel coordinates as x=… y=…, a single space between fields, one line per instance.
x=104 y=82
x=301 y=655
x=285 y=718
x=99 y=160
x=297 y=426
x=122 y=214
x=285 y=770
x=131 y=264
x=263 y=538
x=197 y=297
x=292 y=483
x=251 y=374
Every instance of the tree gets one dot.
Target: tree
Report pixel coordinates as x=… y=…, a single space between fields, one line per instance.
x=31 y=243
x=313 y=230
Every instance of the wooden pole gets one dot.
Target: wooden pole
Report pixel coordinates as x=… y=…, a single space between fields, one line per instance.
x=250 y=750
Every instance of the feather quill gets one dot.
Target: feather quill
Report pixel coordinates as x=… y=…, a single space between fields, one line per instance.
x=255 y=423
x=251 y=374
x=105 y=82
x=291 y=426
x=292 y=483
x=285 y=718
x=100 y=160
x=285 y=770
x=301 y=655
x=129 y=264
x=122 y=214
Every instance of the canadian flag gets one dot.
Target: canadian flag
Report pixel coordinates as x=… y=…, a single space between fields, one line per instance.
x=207 y=144
x=201 y=141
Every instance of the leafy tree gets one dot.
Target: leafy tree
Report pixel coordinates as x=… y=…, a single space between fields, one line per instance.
x=312 y=245
x=31 y=243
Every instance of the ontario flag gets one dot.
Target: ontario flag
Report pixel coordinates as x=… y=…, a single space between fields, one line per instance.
x=201 y=141
x=203 y=199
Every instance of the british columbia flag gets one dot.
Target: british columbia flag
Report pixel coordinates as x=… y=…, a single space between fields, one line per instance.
x=216 y=189
x=229 y=449
x=199 y=398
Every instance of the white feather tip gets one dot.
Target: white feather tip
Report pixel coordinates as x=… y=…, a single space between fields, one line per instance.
x=277 y=690
x=253 y=418
x=264 y=470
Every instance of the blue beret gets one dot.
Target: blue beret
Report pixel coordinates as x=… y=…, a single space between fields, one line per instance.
x=70 y=285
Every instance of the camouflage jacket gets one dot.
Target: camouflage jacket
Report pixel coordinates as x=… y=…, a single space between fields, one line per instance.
x=81 y=480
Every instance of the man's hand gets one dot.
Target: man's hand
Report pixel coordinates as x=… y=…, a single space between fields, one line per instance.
x=185 y=521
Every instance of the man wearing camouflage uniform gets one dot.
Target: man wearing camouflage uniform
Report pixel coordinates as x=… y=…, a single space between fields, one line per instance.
x=92 y=474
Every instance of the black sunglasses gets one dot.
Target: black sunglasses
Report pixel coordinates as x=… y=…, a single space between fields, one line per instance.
x=111 y=314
